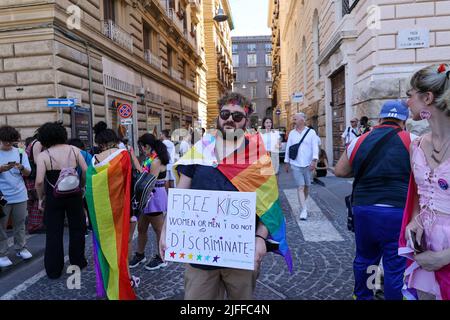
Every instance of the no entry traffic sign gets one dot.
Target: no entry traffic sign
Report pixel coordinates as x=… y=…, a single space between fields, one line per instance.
x=125 y=111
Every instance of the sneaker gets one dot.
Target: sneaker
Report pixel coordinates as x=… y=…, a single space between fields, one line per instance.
x=24 y=254
x=135 y=281
x=156 y=263
x=5 y=262
x=303 y=215
x=137 y=260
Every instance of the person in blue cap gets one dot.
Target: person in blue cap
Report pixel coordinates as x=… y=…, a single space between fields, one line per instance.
x=379 y=160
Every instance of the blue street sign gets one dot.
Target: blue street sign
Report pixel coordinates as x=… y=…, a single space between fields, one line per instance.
x=61 y=103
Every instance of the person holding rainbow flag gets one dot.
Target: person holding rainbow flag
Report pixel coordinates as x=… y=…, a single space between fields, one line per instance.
x=231 y=160
x=108 y=188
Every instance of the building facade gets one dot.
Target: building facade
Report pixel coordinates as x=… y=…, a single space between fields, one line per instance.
x=133 y=64
x=280 y=96
x=252 y=63
x=217 y=41
x=349 y=57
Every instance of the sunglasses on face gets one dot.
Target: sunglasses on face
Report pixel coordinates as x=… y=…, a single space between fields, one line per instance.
x=237 y=116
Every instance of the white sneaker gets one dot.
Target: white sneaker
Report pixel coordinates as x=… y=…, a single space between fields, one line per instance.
x=5 y=262
x=303 y=215
x=24 y=254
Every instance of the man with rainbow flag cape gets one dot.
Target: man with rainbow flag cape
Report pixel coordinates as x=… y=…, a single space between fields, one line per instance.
x=229 y=160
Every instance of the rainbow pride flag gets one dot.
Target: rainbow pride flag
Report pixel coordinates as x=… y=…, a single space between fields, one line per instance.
x=248 y=171
x=108 y=198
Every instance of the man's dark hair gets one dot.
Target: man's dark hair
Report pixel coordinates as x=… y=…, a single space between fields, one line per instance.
x=77 y=143
x=99 y=127
x=166 y=133
x=364 y=120
x=9 y=134
x=28 y=141
x=52 y=133
x=106 y=136
x=236 y=99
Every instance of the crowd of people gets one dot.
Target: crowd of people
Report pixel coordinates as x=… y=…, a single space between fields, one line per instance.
x=399 y=206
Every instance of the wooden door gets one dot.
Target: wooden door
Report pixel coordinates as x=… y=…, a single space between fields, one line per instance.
x=338 y=112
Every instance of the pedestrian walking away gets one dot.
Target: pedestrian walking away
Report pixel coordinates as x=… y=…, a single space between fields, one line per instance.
x=108 y=194
x=379 y=161
x=59 y=190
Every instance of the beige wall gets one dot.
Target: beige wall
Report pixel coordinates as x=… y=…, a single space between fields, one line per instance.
x=375 y=69
x=37 y=63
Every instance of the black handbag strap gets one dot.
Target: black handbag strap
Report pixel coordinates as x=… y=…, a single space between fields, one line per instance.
x=371 y=155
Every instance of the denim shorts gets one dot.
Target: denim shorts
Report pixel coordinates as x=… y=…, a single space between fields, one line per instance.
x=302 y=176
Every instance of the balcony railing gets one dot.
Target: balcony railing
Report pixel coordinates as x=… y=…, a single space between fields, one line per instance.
x=153 y=59
x=118 y=35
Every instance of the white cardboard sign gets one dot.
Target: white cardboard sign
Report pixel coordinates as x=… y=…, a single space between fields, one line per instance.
x=214 y=228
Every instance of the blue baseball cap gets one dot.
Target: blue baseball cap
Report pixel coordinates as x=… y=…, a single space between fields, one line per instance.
x=396 y=109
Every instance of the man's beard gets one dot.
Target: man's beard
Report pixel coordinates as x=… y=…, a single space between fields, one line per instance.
x=228 y=134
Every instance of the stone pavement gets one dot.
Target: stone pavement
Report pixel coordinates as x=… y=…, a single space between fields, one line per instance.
x=322 y=260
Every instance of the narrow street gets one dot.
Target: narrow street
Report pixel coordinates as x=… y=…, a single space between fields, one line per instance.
x=321 y=247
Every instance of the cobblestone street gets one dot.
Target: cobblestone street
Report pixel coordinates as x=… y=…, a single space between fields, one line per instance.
x=321 y=247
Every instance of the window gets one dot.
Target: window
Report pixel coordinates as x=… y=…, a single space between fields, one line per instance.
x=251 y=60
x=236 y=76
x=268 y=59
x=109 y=12
x=172 y=4
x=235 y=60
x=268 y=47
x=252 y=76
x=269 y=91
x=235 y=48
x=251 y=47
x=185 y=71
x=147 y=36
x=253 y=92
x=169 y=57
x=269 y=75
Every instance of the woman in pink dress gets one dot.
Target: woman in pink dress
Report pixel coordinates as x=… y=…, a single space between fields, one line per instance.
x=425 y=237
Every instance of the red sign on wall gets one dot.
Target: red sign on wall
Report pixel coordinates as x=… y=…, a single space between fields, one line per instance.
x=125 y=111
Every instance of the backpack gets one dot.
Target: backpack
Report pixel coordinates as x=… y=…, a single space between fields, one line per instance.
x=143 y=190
x=68 y=183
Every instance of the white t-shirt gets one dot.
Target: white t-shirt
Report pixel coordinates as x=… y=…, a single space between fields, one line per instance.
x=184 y=147
x=350 y=134
x=170 y=149
x=271 y=141
x=12 y=184
x=308 y=150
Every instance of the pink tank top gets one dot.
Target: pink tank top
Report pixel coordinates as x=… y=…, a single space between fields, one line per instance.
x=433 y=185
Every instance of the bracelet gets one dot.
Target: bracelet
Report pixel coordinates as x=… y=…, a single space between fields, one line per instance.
x=258 y=236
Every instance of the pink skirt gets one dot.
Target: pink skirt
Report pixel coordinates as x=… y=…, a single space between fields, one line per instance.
x=437 y=238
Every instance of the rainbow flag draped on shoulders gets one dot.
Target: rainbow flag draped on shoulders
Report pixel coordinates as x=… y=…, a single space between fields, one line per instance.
x=108 y=197
x=249 y=171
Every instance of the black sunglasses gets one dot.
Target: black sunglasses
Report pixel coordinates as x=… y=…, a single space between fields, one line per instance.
x=237 y=116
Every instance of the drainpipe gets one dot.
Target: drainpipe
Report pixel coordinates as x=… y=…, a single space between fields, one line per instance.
x=91 y=103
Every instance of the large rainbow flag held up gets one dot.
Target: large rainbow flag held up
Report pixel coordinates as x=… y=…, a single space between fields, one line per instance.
x=108 y=198
x=249 y=171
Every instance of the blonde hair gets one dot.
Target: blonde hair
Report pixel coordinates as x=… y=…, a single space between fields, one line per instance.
x=435 y=79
